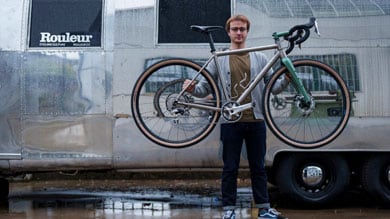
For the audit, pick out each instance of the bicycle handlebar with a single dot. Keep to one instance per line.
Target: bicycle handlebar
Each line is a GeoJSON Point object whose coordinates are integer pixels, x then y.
{"type": "Point", "coordinates": [299, 34]}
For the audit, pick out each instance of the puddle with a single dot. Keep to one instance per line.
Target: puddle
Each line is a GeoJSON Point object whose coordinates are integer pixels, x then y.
{"type": "Point", "coordinates": [111, 204]}
{"type": "Point", "coordinates": [144, 198]}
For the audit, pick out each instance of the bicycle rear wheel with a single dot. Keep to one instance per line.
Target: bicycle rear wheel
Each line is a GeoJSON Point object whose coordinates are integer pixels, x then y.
{"type": "Point", "coordinates": [308, 125]}
{"type": "Point", "coordinates": [156, 106]}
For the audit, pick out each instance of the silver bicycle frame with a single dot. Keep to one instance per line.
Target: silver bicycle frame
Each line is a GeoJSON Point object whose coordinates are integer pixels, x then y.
{"type": "Point", "coordinates": [236, 109]}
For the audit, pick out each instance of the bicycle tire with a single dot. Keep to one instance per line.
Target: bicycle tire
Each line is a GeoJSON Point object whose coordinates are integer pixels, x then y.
{"type": "Point", "coordinates": [303, 126]}
{"type": "Point", "coordinates": [160, 118]}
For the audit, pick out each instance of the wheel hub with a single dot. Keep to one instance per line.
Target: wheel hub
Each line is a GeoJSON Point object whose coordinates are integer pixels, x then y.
{"type": "Point", "coordinates": [305, 108]}
{"type": "Point", "coordinates": [312, 175]}
{"type": "Point", "coordinates": [173, 107]}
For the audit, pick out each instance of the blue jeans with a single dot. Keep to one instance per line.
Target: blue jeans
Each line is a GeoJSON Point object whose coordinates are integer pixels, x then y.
{"type": "Point", "coordinates": [233, 136]}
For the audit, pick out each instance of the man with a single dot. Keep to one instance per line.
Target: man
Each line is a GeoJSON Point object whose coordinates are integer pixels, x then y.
{"type": "Point", "coordinates": [251, 129]}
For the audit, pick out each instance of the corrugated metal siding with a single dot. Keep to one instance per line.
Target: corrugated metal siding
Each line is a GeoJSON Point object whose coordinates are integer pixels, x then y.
{"type": "Point", "coordinates": [374, 68]}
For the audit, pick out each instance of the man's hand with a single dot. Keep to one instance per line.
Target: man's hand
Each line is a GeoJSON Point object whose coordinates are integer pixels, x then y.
{"type": "Point", "coordinates": [187, 86]}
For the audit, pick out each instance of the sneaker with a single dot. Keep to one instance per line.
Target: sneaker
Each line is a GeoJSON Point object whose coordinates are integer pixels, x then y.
{"type": "Point", "coordinates": [229, 214]}
{"type": "Point", "coordinates": [270, 213]}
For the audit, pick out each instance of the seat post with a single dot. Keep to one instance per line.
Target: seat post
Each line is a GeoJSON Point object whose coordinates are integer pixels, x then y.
{"type": "Point", "coordinates": [211, 42]}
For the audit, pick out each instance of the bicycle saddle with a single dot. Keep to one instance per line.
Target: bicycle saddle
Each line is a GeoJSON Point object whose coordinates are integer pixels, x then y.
{"type": "Point", "coordinates": [205, 29]}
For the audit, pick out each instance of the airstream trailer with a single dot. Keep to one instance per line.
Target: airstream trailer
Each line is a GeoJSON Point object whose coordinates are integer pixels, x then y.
{"type": "Point", "coordinates": [67, 77]}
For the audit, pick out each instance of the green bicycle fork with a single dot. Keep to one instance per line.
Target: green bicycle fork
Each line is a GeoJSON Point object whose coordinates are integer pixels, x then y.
{"type": "Point", "coordinates": [297, 83]}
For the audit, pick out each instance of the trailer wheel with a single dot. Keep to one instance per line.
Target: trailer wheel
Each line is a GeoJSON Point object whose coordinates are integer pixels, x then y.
{"type": "Point", "coordinates": [312, 178]}
{"type": "Point", "coordinates": [376, 177]}
{"type": "Point", "coordinates": [4, 188]}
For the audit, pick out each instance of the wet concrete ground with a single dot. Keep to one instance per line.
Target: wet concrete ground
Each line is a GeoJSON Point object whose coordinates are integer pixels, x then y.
{"type": "Point", "coordinates": [159, 195]}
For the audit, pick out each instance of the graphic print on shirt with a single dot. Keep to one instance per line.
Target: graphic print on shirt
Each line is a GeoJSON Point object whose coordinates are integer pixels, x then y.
{"type": "Point", "coordinates": [243, 84]}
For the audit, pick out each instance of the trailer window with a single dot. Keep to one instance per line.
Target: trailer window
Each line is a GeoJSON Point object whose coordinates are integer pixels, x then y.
{"type": "Point", "coordinates": [176, 17]}
{"type": "Point", "coordinates": [345, 64]}
{"type": "Point", "coordinates": [65, 23]}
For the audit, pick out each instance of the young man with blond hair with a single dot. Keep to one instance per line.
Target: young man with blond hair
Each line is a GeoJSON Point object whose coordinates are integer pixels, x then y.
{"type": "Point", "coordinates": [250, 129]}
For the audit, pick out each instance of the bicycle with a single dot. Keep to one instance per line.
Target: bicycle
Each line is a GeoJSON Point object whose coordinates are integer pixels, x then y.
{"type": "Point", "coordinates": [310, 112]}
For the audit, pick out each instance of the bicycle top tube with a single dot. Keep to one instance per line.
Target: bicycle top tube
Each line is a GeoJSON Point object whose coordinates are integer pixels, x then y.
{"type": "Point", "coordinates": [248, 49]}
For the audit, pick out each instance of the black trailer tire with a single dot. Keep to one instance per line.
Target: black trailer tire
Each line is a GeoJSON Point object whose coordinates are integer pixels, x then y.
{"type": "Point", "coordinates": [4, 188]}
{"type": "Point", "coordinates": [376, 177]}
{"type": "Point", "coordinates": [312, 178]}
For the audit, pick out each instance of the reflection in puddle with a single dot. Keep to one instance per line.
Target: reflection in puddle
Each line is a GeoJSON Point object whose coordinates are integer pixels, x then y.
{"type": "Point", "coordinates": [141, 204]}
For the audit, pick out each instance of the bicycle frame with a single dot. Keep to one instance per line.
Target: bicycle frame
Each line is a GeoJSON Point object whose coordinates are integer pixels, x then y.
{"type": "Point", "coordinates": [280, 54]}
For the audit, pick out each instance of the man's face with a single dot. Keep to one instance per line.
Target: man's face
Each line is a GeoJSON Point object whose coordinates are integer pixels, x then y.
{"type": "Point", "coordinates": [238, 32]}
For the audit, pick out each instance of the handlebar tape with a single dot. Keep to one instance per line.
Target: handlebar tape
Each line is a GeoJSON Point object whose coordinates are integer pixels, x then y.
{"type": "Point", "coordinates": [299, 34]}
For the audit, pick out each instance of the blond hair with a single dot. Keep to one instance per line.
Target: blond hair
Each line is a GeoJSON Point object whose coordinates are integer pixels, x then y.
{"type": "Point", "coordinates": [238, 17]}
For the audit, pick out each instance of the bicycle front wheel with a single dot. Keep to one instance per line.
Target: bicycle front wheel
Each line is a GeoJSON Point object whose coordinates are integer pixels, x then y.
{"type": "Point", "coordinates": [304, 125]}
{"type": "Point", "coordinates": [161, 113]}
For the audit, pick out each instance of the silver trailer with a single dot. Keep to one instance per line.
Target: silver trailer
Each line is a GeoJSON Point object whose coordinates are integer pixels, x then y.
{"type": "Point", "coordinates": [67, 77]}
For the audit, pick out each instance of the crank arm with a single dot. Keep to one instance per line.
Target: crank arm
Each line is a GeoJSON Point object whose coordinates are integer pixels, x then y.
{"type": "Point", "coordinates": [234, 110]}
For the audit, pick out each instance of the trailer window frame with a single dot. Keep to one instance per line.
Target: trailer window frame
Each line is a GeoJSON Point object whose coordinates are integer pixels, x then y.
{"type": "Point", "coordinates": [81, 40]}
{"type": "Point", "coordinates": [183, 31]}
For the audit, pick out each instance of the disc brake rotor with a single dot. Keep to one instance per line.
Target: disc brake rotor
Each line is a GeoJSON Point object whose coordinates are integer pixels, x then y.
{"type": "Point", "coordinates": [304, 108]}
{"type": "Point", "coordinates": [174, 107]}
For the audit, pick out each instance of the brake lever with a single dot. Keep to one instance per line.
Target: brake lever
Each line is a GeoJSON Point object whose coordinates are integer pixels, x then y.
{"type": "Point", "coordinates": [316, 29]}
{"type": "Point", "coordinates": [303, 34]}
